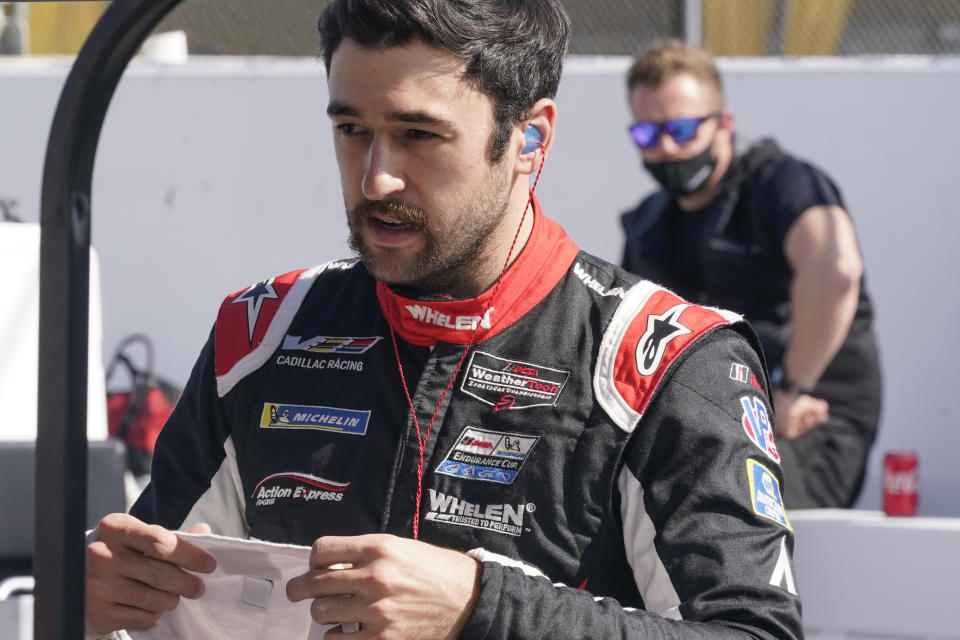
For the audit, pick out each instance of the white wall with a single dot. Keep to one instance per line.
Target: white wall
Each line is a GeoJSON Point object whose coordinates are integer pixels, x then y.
{"type": "Point", "coordinates": [216, 174]}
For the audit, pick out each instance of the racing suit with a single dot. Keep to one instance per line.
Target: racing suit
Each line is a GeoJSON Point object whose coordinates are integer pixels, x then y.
{"type": "Point", "coordinates": [605, 448]}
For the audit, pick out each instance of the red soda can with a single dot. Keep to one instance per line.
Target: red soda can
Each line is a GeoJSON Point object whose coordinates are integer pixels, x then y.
{"type": "Point", "coordinates": [901, 481]}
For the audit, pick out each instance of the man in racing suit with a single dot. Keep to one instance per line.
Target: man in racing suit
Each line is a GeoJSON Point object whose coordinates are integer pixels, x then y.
{"type": "Point", "coordinates": [566, 444]}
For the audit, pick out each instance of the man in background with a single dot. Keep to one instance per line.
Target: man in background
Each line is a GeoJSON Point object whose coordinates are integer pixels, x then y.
{"type": "Point", "coordinates": [758, 231]}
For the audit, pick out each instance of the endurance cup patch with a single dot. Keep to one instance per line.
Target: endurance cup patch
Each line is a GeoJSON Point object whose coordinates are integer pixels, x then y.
{"type": "Point", "coordinates": [487, 455]}
{"type": "Point", "coordinates": [298, 416]}
{"type": "Point", "coordinates": [765, 494]}
{"type": "Point", "coordinates": [511, 384]}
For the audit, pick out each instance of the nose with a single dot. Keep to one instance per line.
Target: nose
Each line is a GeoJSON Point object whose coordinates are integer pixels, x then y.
{"type": "Point", "coordinates": [383, 176]}
{"type": "Point", "coordinates": [667, 145]}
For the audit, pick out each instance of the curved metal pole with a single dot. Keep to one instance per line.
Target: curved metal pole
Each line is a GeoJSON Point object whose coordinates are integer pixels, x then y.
{"type": "Point", "coordinates": [61, 469]}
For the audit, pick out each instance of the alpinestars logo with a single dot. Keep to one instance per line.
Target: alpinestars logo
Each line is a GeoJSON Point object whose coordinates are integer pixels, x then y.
{"type": "Point", "coordinates": [501, 518]}
{"type": "Point", "coordinates": [661, 329]}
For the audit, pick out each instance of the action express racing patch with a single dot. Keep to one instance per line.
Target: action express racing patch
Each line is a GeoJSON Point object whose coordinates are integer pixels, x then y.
{"type": "Point", "coordinates": [290, 485]}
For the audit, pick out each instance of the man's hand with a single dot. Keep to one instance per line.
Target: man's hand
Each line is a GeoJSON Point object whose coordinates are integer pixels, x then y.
{"type": "Point", "coordinates": [135, 572]}
{"type": "Point", "coordinates": [797, 414]}
{"type": "Point", "coordinates": [394, 587]}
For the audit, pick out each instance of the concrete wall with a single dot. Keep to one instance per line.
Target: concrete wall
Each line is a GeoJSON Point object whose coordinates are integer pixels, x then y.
{"type": "Point", "coordinates": [214, 175]}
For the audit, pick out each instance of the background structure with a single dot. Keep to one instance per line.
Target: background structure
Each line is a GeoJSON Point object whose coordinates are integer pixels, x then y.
{"type": "Point", "coordinates": [219, 172]}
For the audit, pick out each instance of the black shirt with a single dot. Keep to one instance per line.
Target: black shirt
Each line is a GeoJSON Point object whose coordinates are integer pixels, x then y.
{"type": "Point", "coordinates": [731, 254]}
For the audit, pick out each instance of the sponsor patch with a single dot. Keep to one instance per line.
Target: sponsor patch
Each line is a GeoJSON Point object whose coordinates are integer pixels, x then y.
{"type": "Point", "coordinates": [782, 575]}
{"type": "Point", "coordinates": [489, 456]}
{"type": "Point", "coordinates": [305, 362]}
{"type": "Point", "coordinates": [429, 315]}
{"type": "Point", "coordinates": [756, 385]}
{"type": "Point", "coordinates": [330, 344]}
{"type": "Point", "coordinates": [739, 372]}
{"type": "Point", "coordinates": [291, 485]}
{"type": "Point", "coordinates": [511, 384]}
{"type": "Point", "coordinates": [592, 283]}
{"type": "Point", "coordinates": [500, 518]}
{"type": "Point", "coordinates": [756, 424]}
{"type": "Point", "coordinates": [765, 494]}
{"type": "Point", "coordinates": [661, 329]}
{"type": "Point", "coordinates": [298, 416]}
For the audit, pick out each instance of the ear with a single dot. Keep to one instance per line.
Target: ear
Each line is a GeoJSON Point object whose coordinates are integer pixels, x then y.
{"type": "Point", "coordinates": [543, 116]}
{"type": "Point", "coordinates": [726, 120]}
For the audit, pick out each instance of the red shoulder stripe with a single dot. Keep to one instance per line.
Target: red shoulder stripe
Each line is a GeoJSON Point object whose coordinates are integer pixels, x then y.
{"type": "Point", "coordinates": [655, 337]}
{"type": "Point", "coordinates": [245, 316]}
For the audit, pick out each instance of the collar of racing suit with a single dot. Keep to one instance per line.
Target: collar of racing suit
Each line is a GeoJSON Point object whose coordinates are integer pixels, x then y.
{"type": "Point", "coordinates": [544, 260]}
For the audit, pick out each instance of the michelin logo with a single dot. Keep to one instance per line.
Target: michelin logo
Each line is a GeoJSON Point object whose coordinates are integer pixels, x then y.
{"type": "Point", "coordinates": [501, 518]}
{"type": "Point", "coordinates": [297, 416]}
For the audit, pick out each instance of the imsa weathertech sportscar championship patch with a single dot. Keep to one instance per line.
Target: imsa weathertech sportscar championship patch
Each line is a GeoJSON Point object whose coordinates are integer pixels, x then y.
{"type": "Point", "coordinates": [298, 416]}
{"type": "Point", "coordinates": [765, 494]}
{"type": "Point", "coordinates": [511, 384]}
{"type": "Point", "coordinates": [487, 455]}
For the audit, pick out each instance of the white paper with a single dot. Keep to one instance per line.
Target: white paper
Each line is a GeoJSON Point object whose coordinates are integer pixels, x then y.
{"type": "Point", "coordinates": [245, 596]}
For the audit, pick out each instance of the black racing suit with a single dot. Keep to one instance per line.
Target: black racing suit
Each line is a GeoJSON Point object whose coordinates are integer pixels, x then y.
{"type": "Point", "coordinates": [595, 432]}
{"type": "Point", "coordinates": [731, 254]}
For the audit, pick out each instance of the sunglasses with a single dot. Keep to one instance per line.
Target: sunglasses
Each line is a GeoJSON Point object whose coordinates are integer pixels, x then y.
{"type": "Point", "coordinates": [647, 134]}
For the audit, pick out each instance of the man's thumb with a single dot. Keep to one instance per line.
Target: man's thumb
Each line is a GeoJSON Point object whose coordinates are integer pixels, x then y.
{"type": "Point", "coordinates": [200, 527]}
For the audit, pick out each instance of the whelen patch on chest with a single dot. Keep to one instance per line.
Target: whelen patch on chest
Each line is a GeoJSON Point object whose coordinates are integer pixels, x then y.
{"type": "Point", "coordinates": [511, 384]}
{"type": "Point", "coordinates": [489, 456]}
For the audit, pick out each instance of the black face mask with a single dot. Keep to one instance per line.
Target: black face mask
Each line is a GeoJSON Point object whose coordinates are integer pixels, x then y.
{"type": "Point", "coordinates": [683, 177]}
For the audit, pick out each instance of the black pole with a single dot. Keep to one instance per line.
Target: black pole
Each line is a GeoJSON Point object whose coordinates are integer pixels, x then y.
{"type": "Point", "coordinates": [61, 469]}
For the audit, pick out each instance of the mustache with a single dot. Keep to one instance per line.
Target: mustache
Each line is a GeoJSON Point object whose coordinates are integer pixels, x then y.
{"type": "Point", "coordinates": [401, 211]}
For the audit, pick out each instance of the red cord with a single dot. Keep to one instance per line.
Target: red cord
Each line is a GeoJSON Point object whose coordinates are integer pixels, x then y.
{"type": "Point", "coordinates": [422, 439]}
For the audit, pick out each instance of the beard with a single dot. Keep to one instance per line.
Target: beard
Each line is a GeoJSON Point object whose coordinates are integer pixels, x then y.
{"type": "Point", "coordinates": [457, 241]}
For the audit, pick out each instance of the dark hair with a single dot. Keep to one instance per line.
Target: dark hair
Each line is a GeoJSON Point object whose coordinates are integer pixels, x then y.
{"type": "Point", "coordinates": [513, 49]}
{"type": "Point", "coordinates": [665, 59]}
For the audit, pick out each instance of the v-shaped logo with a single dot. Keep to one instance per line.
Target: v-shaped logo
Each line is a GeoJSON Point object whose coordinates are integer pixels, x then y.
{"type": "Point", "coordinates": [782, 573]}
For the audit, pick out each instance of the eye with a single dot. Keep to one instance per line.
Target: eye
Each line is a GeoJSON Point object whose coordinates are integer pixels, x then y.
{"type": "Point", "coordinates": [350, 129]}
{"type": "Point", "coordinates": [420, 134]}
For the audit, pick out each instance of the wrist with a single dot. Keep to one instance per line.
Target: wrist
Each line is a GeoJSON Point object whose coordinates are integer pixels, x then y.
{"type": "Point", "coordinates": [782, 382]}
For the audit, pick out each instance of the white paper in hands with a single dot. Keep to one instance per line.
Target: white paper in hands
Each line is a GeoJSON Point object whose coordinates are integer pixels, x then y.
{"type": "Point", "coordinates": [245, 596]}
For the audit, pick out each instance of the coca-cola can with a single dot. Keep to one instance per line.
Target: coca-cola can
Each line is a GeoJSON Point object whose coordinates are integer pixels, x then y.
{"type": "Point", "coordinates": [901, 480]}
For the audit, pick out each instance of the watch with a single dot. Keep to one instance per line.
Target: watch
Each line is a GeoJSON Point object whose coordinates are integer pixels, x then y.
{"type": "Point", "coordinates": [780, 381]}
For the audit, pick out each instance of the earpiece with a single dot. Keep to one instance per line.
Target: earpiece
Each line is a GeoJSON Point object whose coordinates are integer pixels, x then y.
{"type": "Point", "coordinates": [534, 139]}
